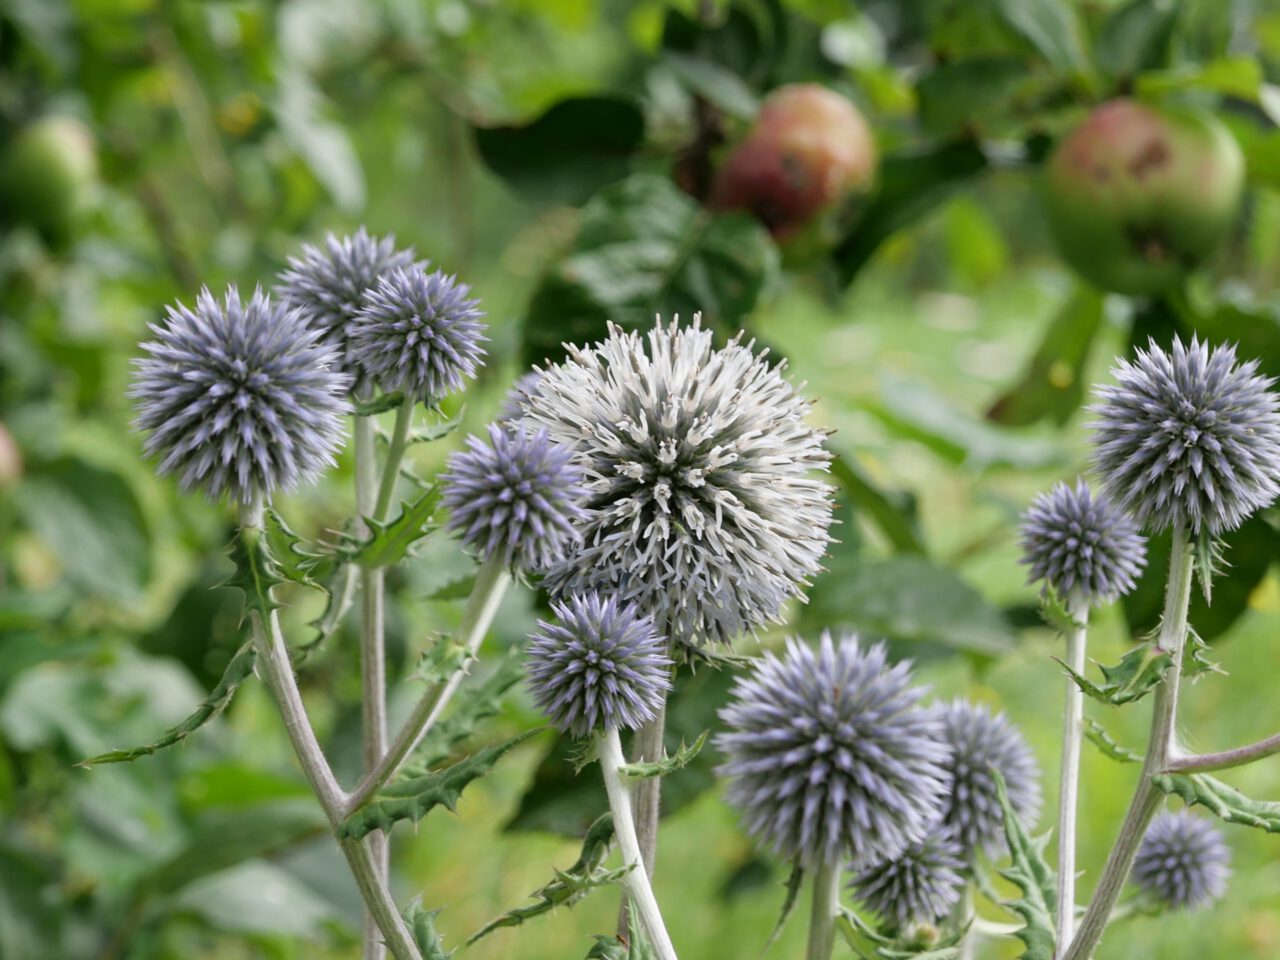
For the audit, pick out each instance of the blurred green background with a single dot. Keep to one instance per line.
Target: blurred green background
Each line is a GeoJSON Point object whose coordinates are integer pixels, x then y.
{"type": "Point", "coordinates": [211, 139]}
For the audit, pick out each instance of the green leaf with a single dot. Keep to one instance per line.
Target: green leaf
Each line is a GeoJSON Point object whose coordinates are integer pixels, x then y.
{"type": "Point", "coordinates": [1240, 77]}
{"type": "Point", "coordinates": [1195, 658]}
{"type": "Point", "coordinates": [257, 899]}
{"type": "Point", "coordinates": [894, 512]}
{"type": "Point", "coordinates": [1136, 37]}
{"type": "Point", "coordinates": [1055, 613]}
{"type": "Point", "coordinates": [1136, 675]}
{"type": "Point", "coordinates": [238, 670]}
{"type": "Point", "coordinates": [422, 927]}
{"type": "Point", "coordinates": [323, 144]}
{"type": "Point", "coordinates": [454, 590]}
{"type": "Point", "coordinates": [577, 146]}
{"type": "Point", "coordinates": [391, 542]}
{"type": "Point", "coordinates": [794, 880]}
{"type": "Point", "coordinates": [1209, 561]}
{"type": "Point", "coordinates": [1097, 734]}
{"type": "Point", "coordinates": [1029, 872]}
{"type": "Point", "coordinates": [379, 404]}
{"type": "Point", "coordinates": [295, 560]}
{"type": "Point", "coordinates": [661, 768]}
{"type": "Point", "coordinates": [569, 886]}
{"type": "Point", "coordinates": [955, 96]}
{"type": "Point", "coordinates": [257, 571]}
{"type": "Point", "coordinates": [1225, 802]}
{"type": "Point", "coordinates": [645, 248]}
{"type": "Point", "coordinates": [437, 431]}
{"type": "Point", "coordinates": [477, 703]}
{"type": "Point", "coordinates": [1053, 384]}
{"type": "Point", "coordinates": [1050, 27]}
{"type": "Point", "coordinates": [445, 658]}
{"type": "Point", "coordinates": [413, 798]}
{"type": "Point", "coordinates": [716, 84]}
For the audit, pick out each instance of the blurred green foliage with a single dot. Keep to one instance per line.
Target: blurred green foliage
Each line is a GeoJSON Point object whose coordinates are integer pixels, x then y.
{"type": "Point", "coordinates": [534, 147]}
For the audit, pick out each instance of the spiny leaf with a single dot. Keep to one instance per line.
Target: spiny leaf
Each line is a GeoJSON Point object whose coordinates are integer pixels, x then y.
{"type": "Point", "coordinates": [926, 943]}
{"type": "Point", "coordinates": [379, 404]}
{"type": "Point", "coordinates": [1031, 875]}
{"type": "Point", "coordinates": [237, 671]}
{"type": "Point", "coordinates": [1210, 558]}
{"type": "Point", "coordinates": [415, 797]}
{"type": "Point", "coordinates": [1136, 675]}
{"type": "Point", "coordinates": [1055, 613]}
{"type": "Point", "coordinates": [339, 592]}
{"type": "Point", "coordinates": [422, 927]}
{"type": "Point", "coordinates": [569, 886]}
{"type": "Point", "coordinates": [1195, 657]}
{"type": "Point", "coordinates": [390, 542]}
{"type": "Point", "coordinates": [1224, 801]}
{"type": "Point", "coordinates": [256, 571]}
{"type": "Point", "coordinates": [455, 590]}
{"type": "Point", "coordinates": [660, 768]}
{"type": "Point", "coordinates": [437, 431]}
{"type": "Point", "coordinates": [445, 658]}
{"type": "Point", "coordinates": [296, 560]}
{"type": "Point", "coordinates": [479, 702]}
{"type": "Point", "coordinates": [635, 947]}
{"type": "Point", "coordinates": [1099, 737]}
{"type": "Point", "coordinates": [794, 880]}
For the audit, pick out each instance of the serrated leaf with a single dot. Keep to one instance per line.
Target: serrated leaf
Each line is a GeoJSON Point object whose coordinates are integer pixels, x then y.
{"type": "Point", "coordinates": [635, 947]}
{"type": "Point", "coordinates": [413, 798]}
{"type": "Point", "coordinates": [339, 593]}
{"type": "Point", "coordinates": [1195, 657]}
{"type": "Point", "coordinates": [1209, 560]}
{"type": "Point", "coordinates": [295, 560]}
{"type": "Point", "coordinates": [390, 542]}
{"type": "Point", "coordinates": [1098, 736]}
{"type": "Point", "coordinates": [445, 658]}
{"type": "Point", "coordinates": [379, 404]}
{"type": "Point", "coordinates": [794, 880]}
{"type": "Point", "coordinates": [256, 570]}
{"type": "Point", "coordinates": [237, 671]}
{"type": "Point", "coordinates": [477, 703]}
{"type": "Point", "coordinates": [457, 590]}
{"type": "Point", "coordinates": [569, 886]}
{"type": "Point", "coordinates": [422, 927]}
{"type": "Point", "coordinates": [1033, 877]}
{"type": "Point", "coordinates": [1136, 675]}
{"type": "Point", "coordinates": [1225, 802]}
{"type": "Point", "coordinates": [1054, 612]}
{"type": "Point", "coordinates": [660, 768]}
{"type": "Point", "coordinates": [437, 431]}
{"type": "Point", "coordinates": [869, 944]}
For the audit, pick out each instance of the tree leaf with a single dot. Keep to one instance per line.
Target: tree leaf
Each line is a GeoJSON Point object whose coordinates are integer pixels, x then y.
{"type": "Point", "coordinates": [322, 144]}
{"type": "Point", "coordinates": [677, 761]}
{"type": "Point", "coordinates": [422, 927]}
{"type": "Point", "coordinates": [1098, 736]}
{"type": "Point", "coordinates": [413, 798]}
{"type": "Point", "coordinates": [1136, 37]}
{"type": "Point", "coordinates": [1224, 801]}
{"type": "Point", "coordinates": [955, 96]}
{"type": "Point", "coordinates": [716, 84]}
{"type": "Point", "coordinates": [893, 512]}
{"type": "Point", "coordinates": [1050, 27]}
{"type": "Point", "coordinates": [1029, 872]}
{"type": "Point", "coordinates": [238, 670]}
{"type": "Point", "coordinates": [1136, 675]}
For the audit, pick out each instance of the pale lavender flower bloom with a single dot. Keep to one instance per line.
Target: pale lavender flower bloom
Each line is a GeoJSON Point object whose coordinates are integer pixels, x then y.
{"type": "Point", "coordinates": [1188, 438]}
{"type": "Point", "coordinates": [601, 666]}
{"type": "Point", "coordinates": [516, 497]}
{"type": "Point", "coordinates": [920, 885]}
{"type": "Point", "coordinates": [829, 756]}
{"type": "Point", "coordinates": [1183, 861]}
{"type": "Point", "coordinates": [239, 398]}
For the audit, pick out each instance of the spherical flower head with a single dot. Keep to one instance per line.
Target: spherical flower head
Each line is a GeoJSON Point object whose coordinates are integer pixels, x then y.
{"type": "Point", "coordinates": [699, 470]}
{"type": "Point", "coordinates": [516, 497]}
{"type": "Point", "coordinates": [602, 665]}
{"type": "Point", "coordinates": [1188, 438]}
{"type": "Point", "coordinates": [328, 283]}
{"type": "Point", "coordinates": [239, 398]}
{"type": "Point", "coordinates": [921, 884]}
{"type": "Point", "coordinates": [829, 756]}
{"type": "Point", "coordinates": [1183, 861]}
{"type": "Point", "coordinates": [418, 333]}
{"type": "Point", "coordinates": [978, 742]}
{"type": "Point", "coordinates": [1079, 544]}
{"type": "Point", "coordinates": [514, 402]}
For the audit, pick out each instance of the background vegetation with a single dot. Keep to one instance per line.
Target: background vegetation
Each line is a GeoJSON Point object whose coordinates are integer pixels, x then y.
{"type": "Point", "coordinates": [944, 338]}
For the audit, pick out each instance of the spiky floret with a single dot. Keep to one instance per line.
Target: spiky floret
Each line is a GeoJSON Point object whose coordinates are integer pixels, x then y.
{"type": "Point", "coordinates": [516, 497]}
{"type": "Point", "coordinates": [600, 665]}
{"type": "Point", "coordinates": [829, 757]}
{"type": "Point", "coordinates": [240, 398]}
{"type": "Point", "coordinates": [328, 283]}
{"type": "Point", "coordinates": [513, 403]}
{"type": "Point", "coordinates": [1183, 861]}
{"type": "Point", "coordinates": [1188, 437]}
{"type": "Point", "coordinates": [1077, 543]}
{"type": "Point", "coordinates": [922, 883]}
{"type": "Point", "coordinates": [699, 469]}
{"type": "Point", "coordinates": [978, 741]}
{"type": "Point", "coordinates": [419, 333]}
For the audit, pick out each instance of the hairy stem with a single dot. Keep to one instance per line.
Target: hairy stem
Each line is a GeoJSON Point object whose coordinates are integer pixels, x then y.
{"type": "Point", "coordinates": [646, 797]}
{"type": "Point", "coordinates": [822, 917]}
{"type": "Point", "coordinates": [1069, 777]}
{"type": "Point", "coordinates": [1160, 746]}
{"type": "Point", "coordinates": [1225, 759]}
{"type": "Point", "coordinates": [395, 455]}
{"type": "Point", "coordinates": [491, 583]}
{"type": "Point", "coordinates": [636, 881]}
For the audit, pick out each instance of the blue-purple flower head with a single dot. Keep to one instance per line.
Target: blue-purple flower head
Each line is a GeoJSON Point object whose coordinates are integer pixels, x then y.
{"type": "Point", "coordinates": [920, 885]}
{"type": "Point", "coordinates": [516, 497]}
{"type": "Point", "coordinates": [1077, 543]}
{"type": "Point", "coordinates": [704, 505]}
{"type": "Point", "coordinates": [328, 283]}
{"type": "Point", "coordinates": [601, 665]}
{"type": "Point", "coordinates": [978, 742]}
{"type": "Point", "coordinates": [1188, 438]}
{"type": "Point", "coordinates": [1183, 861]}
{"type": "Point", "coordinates": [418, 333]}
{"type": "Point", "coordinates": [829, 756]}
{"type": "Point", "coordinates": [239, 398]}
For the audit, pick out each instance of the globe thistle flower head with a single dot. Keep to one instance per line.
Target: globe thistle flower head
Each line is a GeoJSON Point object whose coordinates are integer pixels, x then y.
{"type": "Point", "coordinates": [515, 497]}
{"type": "Point", "coordinates": [240, 398]}
{"type": "Point", "coordinates": [601, 665]}
{"type": "Point", "coordinates": [419, 333]}
{"type": "Point", "coordinates": [513, 403]}
{"type": "Point", "coordinates": [921, 884]}
{"type": "Point", "coordinates": [699, 473]}
{"type": "Point", "coordinates": [977, 742]}
{"type": "Point", "coordinates": [1188, 437]}
{"type": "Point", "coordinates": [1077, 543]}
{"type": "Point", "coordinates": [828, 756]}
{"type": "Point", "coordinates": [1183, 861]}
{"type": "Point", "coordinates": [328, 283]}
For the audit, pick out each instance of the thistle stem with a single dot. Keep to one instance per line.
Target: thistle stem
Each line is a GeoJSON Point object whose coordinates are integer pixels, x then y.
{"type": "Point", "coordinates": [491, 583]}
{"type": "Point", "coordinates": [1225, 759]}
{"type": "Point", "coordinates": [822, 918]}
{"type": "Point", "coordinates": [648, 746]}
{"type": "Point", "coordinates": [1069, 777]}
{"type": "Point", "coordinates": [1160, 746]}
{"type": "Point", "coordinates": [636, 881]}
{"type": "Point", "coordinates": [395, 455]}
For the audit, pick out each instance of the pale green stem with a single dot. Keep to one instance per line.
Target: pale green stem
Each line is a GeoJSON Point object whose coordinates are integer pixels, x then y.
{"type": "Point", "coordinates": [395, 454]}
{"type": "Point", "coordinates": [491, 583]}
{"type": "Point", "coordinates": [1161, 745]}
{"type": "Point", "coordinates": [822, 916]}
{"type": "Point", "coordinates": [1069, 776]}
{"type": "Point", "coordinates": [636, 881]}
